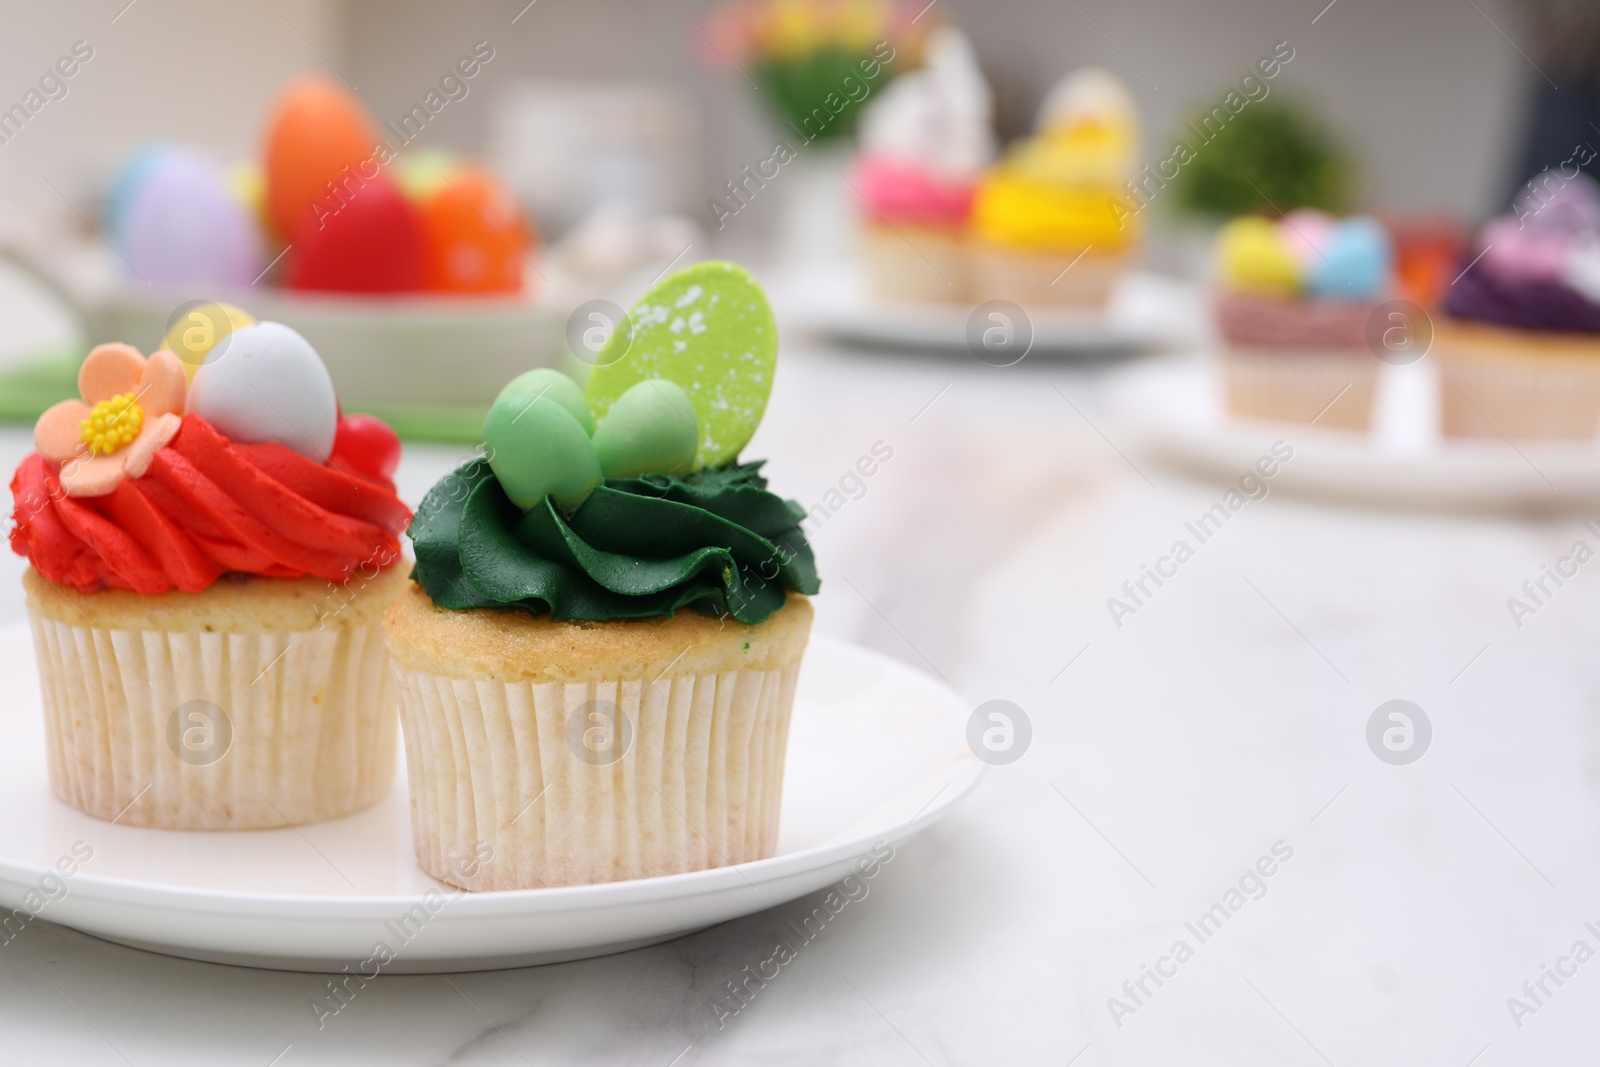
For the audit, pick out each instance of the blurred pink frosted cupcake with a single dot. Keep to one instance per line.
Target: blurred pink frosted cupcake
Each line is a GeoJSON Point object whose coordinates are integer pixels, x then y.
{"type": "Point", "coordinates": [924, 142]}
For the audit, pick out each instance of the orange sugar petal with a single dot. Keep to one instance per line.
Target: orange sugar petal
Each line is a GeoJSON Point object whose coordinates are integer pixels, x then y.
{"type": "Point", "coordinates": [110, 370]}
{"type": "Point", "coordinates": [156, 433]}
{"type": "Point", "coordinates": [164, 386]}
{"type": "Point", "coordinates": [92, 475]}
{"type": "Point", "coordinates": [58, 434]}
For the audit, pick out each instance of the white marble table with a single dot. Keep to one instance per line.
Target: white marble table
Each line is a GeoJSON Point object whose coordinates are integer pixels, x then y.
{"type": "Point", "coordinates": [1170, 756]}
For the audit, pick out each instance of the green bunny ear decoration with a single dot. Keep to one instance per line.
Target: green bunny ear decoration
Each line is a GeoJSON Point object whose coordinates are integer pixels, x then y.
{"type": "Point", "coordinates": [709, 329]}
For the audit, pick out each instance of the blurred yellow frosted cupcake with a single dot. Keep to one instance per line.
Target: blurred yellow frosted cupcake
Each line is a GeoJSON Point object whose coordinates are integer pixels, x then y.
{"type": "Point", "coordinates": [1043, 230]}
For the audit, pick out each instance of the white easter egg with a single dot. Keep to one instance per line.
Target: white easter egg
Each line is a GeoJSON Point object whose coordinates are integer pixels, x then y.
{"type": "Point", "coordinates": [268, 384]}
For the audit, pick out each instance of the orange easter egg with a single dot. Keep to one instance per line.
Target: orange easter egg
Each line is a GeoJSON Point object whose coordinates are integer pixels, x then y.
{"type": "Point", "coordinates": [316, 129]}
{"type": "Point", "coordinates": [474, 234]}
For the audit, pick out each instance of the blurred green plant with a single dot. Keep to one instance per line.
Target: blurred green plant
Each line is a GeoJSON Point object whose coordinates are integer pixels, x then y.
{"type": "Point", "coordinates": [1271, 155]}
{"type": "Point", "coordinates": [797, 89]}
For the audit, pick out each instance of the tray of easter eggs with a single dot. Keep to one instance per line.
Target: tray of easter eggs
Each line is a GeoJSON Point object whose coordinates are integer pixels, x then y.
{"type": "Point", "coordinates": [393, 266]}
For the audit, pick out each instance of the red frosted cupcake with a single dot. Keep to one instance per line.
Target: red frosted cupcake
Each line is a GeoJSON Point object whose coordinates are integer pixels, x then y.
{"type": "Point", "coordinates": [209, 568]}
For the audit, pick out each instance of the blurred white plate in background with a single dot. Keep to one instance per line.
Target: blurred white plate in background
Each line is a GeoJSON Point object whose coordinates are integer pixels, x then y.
{"type": "Point", "coordinates": [1146, 311]}
{"type": "Point", "coordinates": [1173, 410]}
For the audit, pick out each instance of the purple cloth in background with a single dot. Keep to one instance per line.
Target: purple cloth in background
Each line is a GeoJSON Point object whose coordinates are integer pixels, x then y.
{"type": "Point", "coordinates": [1483, 296]}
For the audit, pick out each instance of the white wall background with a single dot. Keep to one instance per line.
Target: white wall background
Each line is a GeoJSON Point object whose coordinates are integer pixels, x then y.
{"type": "Point", "coordinates": [1428, 92]}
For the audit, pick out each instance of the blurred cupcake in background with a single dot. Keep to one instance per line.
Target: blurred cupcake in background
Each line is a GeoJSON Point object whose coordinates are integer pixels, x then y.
{"type": "Point", "coordinates": [1043, 229]}
{"type": "Point", "coordinates": [1519, 348]}
{"type": "Point", "coordinates": [924, 142]}
{"type": "Point", "coordinates": [1292, 306]}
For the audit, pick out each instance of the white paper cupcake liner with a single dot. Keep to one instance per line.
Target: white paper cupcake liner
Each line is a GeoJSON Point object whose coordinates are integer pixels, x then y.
{"type": "Point", "coordinates": [1519, 395]}
{"type": "Point", "coordinates": [915, 263]}
{"type": "Point", "coordinates": [1334, 387]}
{"type": "Point", "coordinates": [216, 731]}
{"type": "Point", "coordinates": [1037, 279]}
{"type": "Point", "coordinates": [694, 778]}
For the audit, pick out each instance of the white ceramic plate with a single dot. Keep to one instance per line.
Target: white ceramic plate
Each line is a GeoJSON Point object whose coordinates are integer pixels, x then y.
{"type": "Point", "coordinates": [1145, 312]}
{"type": "Point", "coordinates": [877, 752]}
{"type": "Point", "coordinates": [1173, 410]}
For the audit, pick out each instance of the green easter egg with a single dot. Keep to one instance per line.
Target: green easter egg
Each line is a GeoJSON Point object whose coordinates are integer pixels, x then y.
{"type": "Point", "coordinates": [710, 329]}
{"type": "Point", "coordinates": [537, 449]}
{"type": "Point", "coordinates": [556, 386]}
{"type": "Point", "coordinates": [651, 429]}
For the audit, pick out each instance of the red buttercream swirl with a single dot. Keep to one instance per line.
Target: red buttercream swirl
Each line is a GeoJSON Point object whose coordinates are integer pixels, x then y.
{"type": "Point", "coordinates": [205, 507]}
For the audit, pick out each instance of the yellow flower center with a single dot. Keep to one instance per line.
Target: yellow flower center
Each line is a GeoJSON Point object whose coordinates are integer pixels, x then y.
{"type": "Point", "coordinates": [112, 424]}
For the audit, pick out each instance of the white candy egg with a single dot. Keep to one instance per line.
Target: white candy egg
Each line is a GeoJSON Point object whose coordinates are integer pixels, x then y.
{"type": "Point", "coordinates": [268, 384]}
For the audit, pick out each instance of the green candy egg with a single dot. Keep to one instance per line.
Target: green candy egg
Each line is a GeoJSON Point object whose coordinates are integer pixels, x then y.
{"type": "Point", "coordinates": [556, 386]}
{"type": "Point", "coordinates": [651, 429]}
{"type": "Point", "coordinates": [710, 329]}
{"type": "Point", "coordinates": [538, 449]}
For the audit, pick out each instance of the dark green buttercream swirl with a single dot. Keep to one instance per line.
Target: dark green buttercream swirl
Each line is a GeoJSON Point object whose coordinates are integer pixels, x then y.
{"type": "Point", "coordinates": [715, 541]}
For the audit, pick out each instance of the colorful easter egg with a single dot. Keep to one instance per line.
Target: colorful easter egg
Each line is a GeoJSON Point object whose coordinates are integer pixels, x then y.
{"type": "Point", "coordinates": [474, 233]}
{"type": "Point", "coordinates": [1354, 263]}
{"type": "Point", "coordinates": [317, 128]}
{"type": "Point", "coordinates": [1305, 230]}
{"type": "Point", "coordinates": [371, 244]}
{"type": "Point", "coordinates": [651, 429]}
{"type": "Point", "coordinates": [182, 226]}
{"type": "Point", "coordinates": [556, 386]}
{"type": "Point", "coordinates": [537, 450]}
{"type": "Point", "coordinates": [200, 329]}
{"type": "Point", "coordinates": [1252, 257]}
{"type": "Point", "coordinates": [422, 172]}
{"type": "Point", "coordinates": [248, 184]}
{"type": "Point", "coordinates": [128, 180]}
{"type": "Point", "coordinates": [710, 329]}
{"type": "Point", "coordinates": [269, 386]}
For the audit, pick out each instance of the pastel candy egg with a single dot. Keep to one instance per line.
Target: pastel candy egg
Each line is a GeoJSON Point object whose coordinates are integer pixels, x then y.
{"type": "Point", "coordinates": [269, 386]}
{"type": "Point", "coordinates": [371, 244]}
{"type": "Point", "coordinates": [556, 386]}
{"type": "Point", "coordinates": [199, 331]}
{"type": "Point", "coordinates": [1355, 262]}
{"type": "Point", "coordinates": [537, 450]}
{"type": "Point", "coordinates": [651, 429]}
{"type": "Point", "coordinates": [1252, 257]}
{"type": "Point", "coordinates": [1305, 230]}
{"type": "Point", "coordinates": [182, 226]}
{"type": "Point", "coordinates": [710, 329]}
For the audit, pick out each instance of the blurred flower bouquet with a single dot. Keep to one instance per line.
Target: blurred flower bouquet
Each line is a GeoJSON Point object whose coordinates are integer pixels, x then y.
{"type": "Point", "coordinates": [815, 60]}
